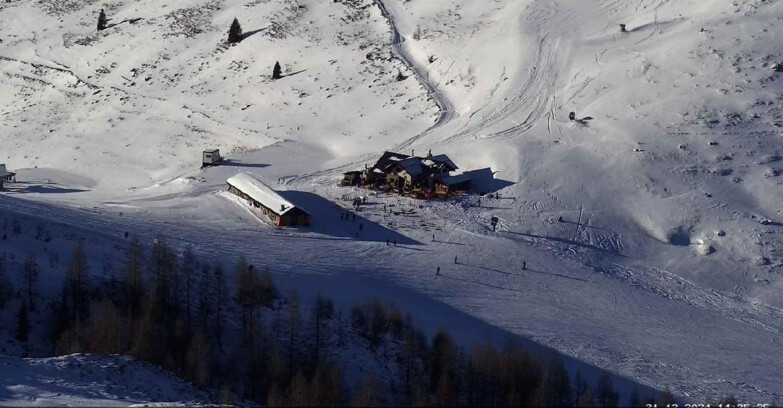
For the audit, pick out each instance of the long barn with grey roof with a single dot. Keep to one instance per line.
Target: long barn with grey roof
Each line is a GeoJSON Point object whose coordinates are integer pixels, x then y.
{"type": "Point", "coordinates": [263, 198]}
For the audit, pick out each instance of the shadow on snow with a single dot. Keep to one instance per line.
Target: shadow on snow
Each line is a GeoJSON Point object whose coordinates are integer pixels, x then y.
{"type": "Point", "coordinates": [325, 219]}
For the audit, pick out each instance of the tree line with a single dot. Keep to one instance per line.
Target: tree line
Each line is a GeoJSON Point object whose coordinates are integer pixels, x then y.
{"type": "Point", "coordinates": [233, 330]}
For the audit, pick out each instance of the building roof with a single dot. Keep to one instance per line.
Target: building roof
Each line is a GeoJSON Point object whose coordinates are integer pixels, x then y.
{"type": "Point", "coordinates": [412, 165]}
{"type": "Point", "coordinates": [211, 150]}
{"type": "Point", "coordinates": [260, 192]}
{"type": "Point", "coordinates": [442, 158]}
{"type": "Point", "coordinates": [458, 179]}
{"type": "Point", "coordinates": [389, 158]}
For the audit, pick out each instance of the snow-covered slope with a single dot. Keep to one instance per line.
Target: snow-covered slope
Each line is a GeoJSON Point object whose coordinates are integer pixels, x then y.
{"type": "Point", "coordinates": [660, 270]}
{"type": "Point", "coordinates": [89, 380]}
{"type": "Point", "coordinates": [137, 102]}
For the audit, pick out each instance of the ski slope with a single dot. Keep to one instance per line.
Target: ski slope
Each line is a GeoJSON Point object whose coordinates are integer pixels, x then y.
{"type": "Point", "coordinates": [660, 270]}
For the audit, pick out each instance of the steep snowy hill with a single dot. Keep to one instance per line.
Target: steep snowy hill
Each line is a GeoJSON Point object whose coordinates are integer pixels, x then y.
{"type": "Point", "coordinates": [661, 268]}
{"type": "Point", "coordinates": [87, 380]}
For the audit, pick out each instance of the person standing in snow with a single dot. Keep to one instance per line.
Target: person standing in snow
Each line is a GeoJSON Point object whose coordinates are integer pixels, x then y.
{"type": "Point", "coordinates": [524, 265]}
{"type": "Point", "coordinates": [433, 237]}
{"type": "Point", "coordinates": [455, 260]}
{"type": "Point", "coordinates": [387, 241]}
{"type": "Point", "coordinates": [437, 272]}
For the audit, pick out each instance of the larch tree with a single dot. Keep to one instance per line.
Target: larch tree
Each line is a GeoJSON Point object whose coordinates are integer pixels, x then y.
{"type": "Point", "coordinates": [322, 312]}
{"type": "Point", "coordinates": [77, 283]}
{"type": "Point", "coordinates": [188, 275]}
{"type": "Point", "coordinates": [6, 288]}
{"type": "Point", "coordinates": [368, 393]}
{"type": "Point", "coordinates": [235, 32]}
{"type": "Point", "coordinates": [292, 324]}
{"type": "Point", "coordinates": [221, 297]}
{"type": "Point", "coordinates": [30, 277]}
{"type": "Point", "coordinates": [634, 400]}
{"type": "Point", "coordinates": [22, 324]}
{"type": "Point", "coordinates": [580, 388]}
{"type": "Point", "coordinates": [102, 21]}
{"type": "Point", "coordinates": [443, 361]}
{"type": "Point", "coordinates": [557, 391]}
{"type": "Point", "coordinates": [133, 280]}
{"type": "Point", "coordinates": [667, 398]}
{"type": "Point", "coordinates": [269, 291]}
{"type": "Point", "coordinates": [277, 71]}
{"type": "Point", "coordinates": [605, 395]}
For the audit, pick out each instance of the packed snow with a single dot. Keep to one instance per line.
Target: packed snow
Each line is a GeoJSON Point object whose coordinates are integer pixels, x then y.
{"type": "Point", "coordinates": [640, 221]}
{"type": "Point", "coordinates": [89, 380]}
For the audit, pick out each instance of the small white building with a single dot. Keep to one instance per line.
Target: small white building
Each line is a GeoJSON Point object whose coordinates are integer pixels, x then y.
{"type": "Point", "coordinates": [260, 196]}
{"type": "Point", "coordinates": [210, 157]}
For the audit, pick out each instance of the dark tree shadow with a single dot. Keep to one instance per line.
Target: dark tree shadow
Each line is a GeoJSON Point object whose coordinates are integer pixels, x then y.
{"type": "Point", "coordinates": [47, 188]}
{"type": "Point", "coordinates": [127, 20]}
{"type": "Point", "coordinates": [292, 74]}
{"type": "Point", "coordinates": [489, 285]}
{"type": "Point", "coordinates": [523, 272]}
{"type": "Point", "coordinates": [451, 243]}
{"type": "Point", "coordinates": [659, 24]}
{"type": "Point", "coordinates": [325, 219]}
{"type": "Point", "coordinates": [251, 33]}
{"type": "Point", "coordinates": [564, 241]}
{"type": "Point", "coordinates": [582, 225]}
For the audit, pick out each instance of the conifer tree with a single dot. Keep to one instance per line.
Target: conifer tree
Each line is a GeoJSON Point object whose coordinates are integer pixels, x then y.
{"type": "Point", "coordinates": [322, 311]}
{"type": "Point", "coordinates": [30, 276]}
{"type": "Point", "coordinates": [133, 280]}
{"type": "Point", "coordinates": [558, 386]}
{"type": "Point", "coordinates": [235, 32]}
{"type": "Point", "coordinates": [667, 398]}
{"type": "Point", "coordinates": [221, 296]}
{"type": "Point", "coordinates": [276, 71]}
{"type": "Point", "coordinates": [77, 283]}
{"type": "Point", "coordinates": [22, 324]}
{"type": "Point", "coordinates": [104, 332]}
{"type": "Point", "coordinates": [188, 274]}
{"type": "Point", "coordinates": [580, 388]}
{"type": "Point", "coordinates": [292, 323]}
{"type": "Point", "coordinates": [605, 395]}
{"type": "Point", "coordinates": [586, 399]}
{"type": "Point", "coordinates": [368, 393]}
{"type": "Point", "coordinates": [102, 21]}
{"type": "Point", "coordinates": [243, 276]}
{"type": "Point", "coordinates": [6, 289]}
{"type": "Point", "coordinates": [269, 291]}
{"type": "Point", "coordinates": [443, 365]}
{"type": "Point", "coordinates": [635, 400]}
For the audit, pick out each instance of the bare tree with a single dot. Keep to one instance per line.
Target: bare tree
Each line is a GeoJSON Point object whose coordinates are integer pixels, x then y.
{"type": "Point", "coordinates": [30, 277]}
